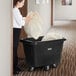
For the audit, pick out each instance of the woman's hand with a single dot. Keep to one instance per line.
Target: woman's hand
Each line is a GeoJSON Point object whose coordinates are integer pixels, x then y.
{"type": "Point", "coordinates": [28, 18]}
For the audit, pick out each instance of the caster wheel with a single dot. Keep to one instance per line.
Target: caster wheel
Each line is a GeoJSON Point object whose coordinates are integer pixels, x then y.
{"type": "Point", "coordinates": [31, 69]}
{"type": "Point", "coordinates": [46, 68]}
{"type": "Point", "coordinates": [54, 65]}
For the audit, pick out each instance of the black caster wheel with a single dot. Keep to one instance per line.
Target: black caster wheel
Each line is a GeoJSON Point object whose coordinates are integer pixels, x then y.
{"type": "Point", "coordinates": [31, 68]}
{"type": "Point", "coordinates": [46, 68]}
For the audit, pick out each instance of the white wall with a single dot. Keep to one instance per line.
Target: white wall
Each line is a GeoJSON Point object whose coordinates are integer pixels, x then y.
{"type": "Point", "coordinates": [44, 10]}
{"type": "Point", "coordinates": [65, 12]}
{"type": "Point", "coordinates": [5, 37]}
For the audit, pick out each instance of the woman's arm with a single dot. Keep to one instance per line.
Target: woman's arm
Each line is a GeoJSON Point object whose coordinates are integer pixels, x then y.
{"type": "Point", "coordinates": [18, 17]}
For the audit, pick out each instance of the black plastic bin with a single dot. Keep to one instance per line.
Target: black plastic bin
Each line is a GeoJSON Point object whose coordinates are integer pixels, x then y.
{"type": "Point", "coordinates": [42, 53]}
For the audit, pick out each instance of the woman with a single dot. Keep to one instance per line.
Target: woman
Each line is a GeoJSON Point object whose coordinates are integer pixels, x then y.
{"type": "Point", "coordinates": [18, 22]}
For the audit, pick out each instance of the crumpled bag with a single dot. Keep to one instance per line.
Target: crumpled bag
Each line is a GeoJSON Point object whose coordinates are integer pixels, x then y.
{"type": "Point", "coordinates": [51, 36]}
{"type": "Point", "coordinates": [34, 27]}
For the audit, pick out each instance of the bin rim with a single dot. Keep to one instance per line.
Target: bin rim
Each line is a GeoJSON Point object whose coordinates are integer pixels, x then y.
{"type": "Point", "coordinates": [27, 39]}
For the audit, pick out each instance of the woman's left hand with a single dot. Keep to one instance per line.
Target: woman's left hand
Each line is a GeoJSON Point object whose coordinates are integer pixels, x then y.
{"type": "Point", "coordinates": [28, 18]}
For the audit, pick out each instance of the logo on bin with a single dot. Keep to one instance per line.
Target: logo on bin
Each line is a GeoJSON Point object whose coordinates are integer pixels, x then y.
{"type": "Point", "coordinates": [49, 48]}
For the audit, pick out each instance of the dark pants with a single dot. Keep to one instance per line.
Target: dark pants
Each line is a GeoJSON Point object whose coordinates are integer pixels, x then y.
{"type": "Point", "coordinates": [16, 33]}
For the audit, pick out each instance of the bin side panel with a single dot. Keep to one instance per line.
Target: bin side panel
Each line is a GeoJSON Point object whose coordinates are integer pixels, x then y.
{"type": "Point", "coordinates": [29, 53]}
{"type": "Point", "coordinates": [47, 53]}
